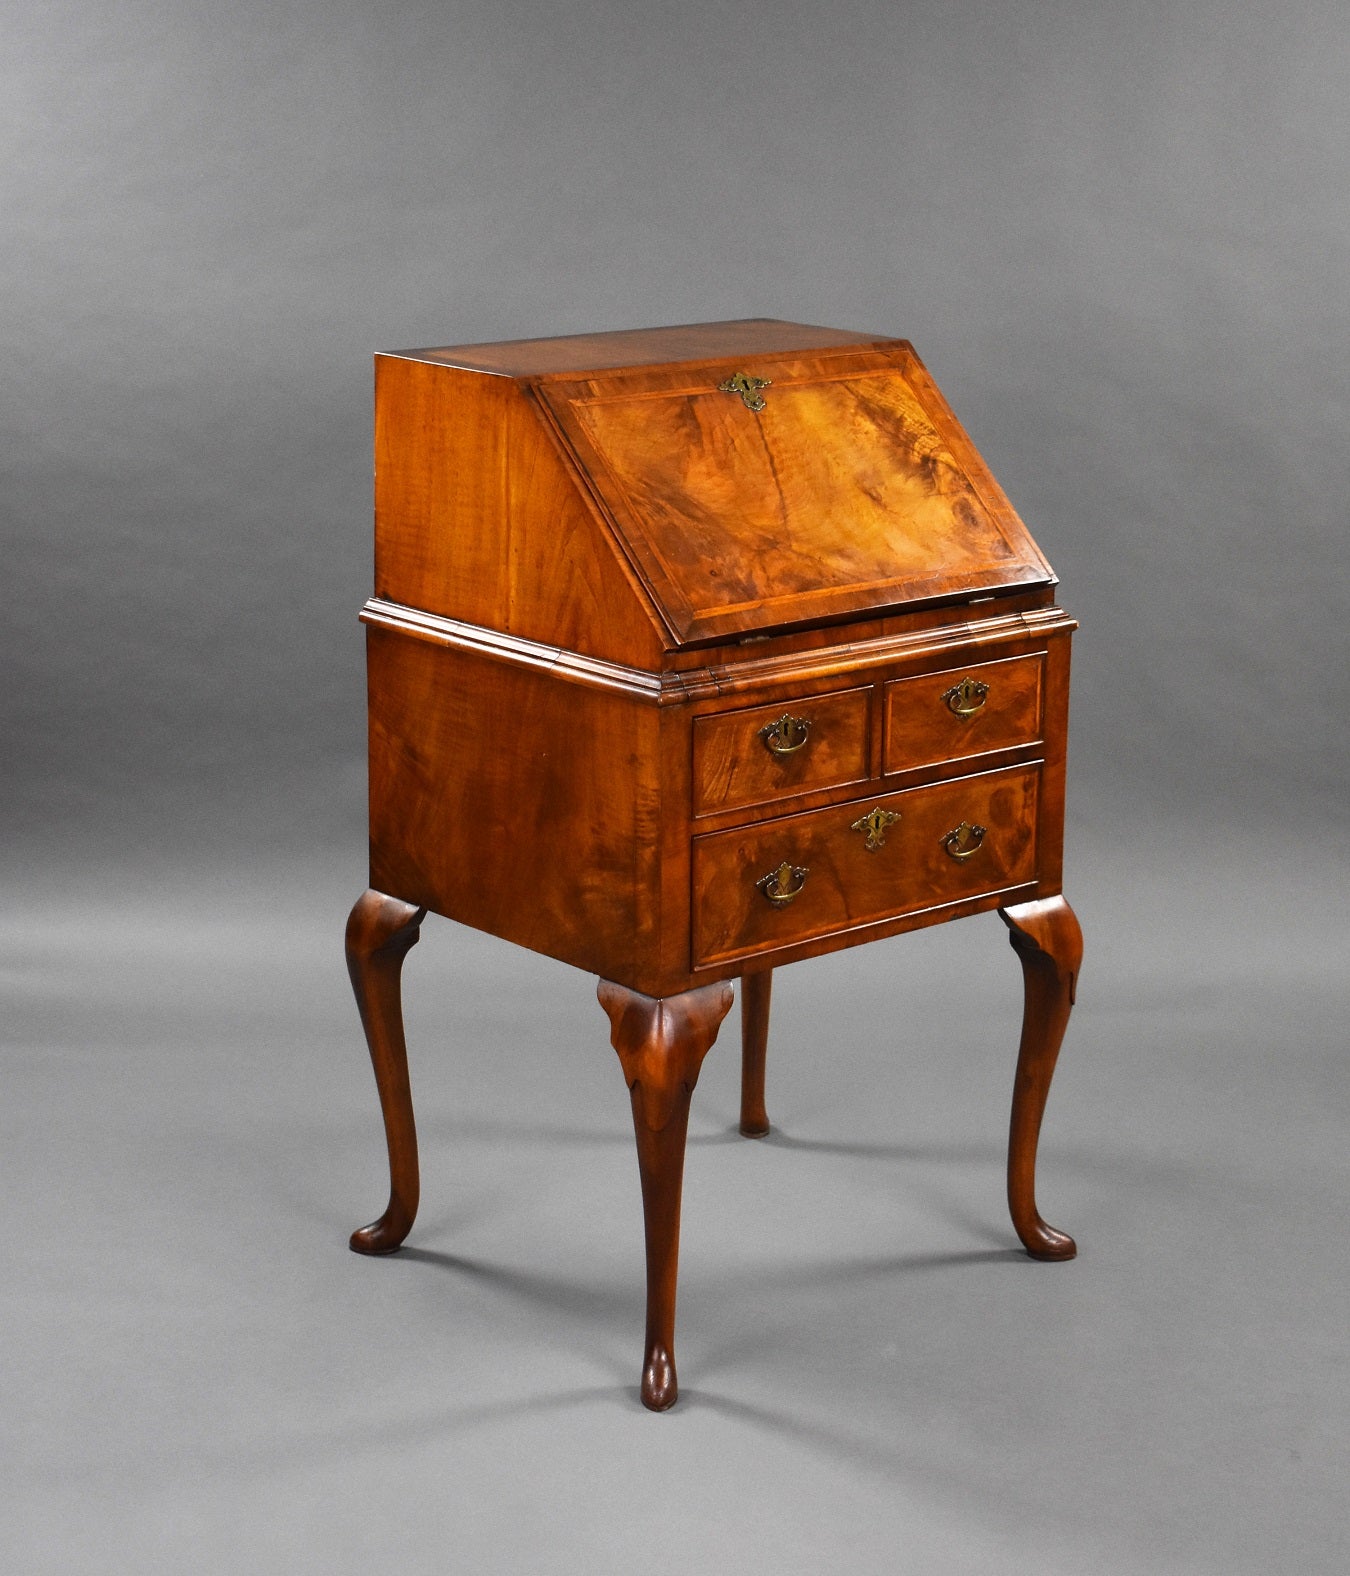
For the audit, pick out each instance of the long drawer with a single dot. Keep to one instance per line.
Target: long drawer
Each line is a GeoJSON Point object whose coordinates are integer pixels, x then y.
{"type": "Point", "coordinates": [771, 885]}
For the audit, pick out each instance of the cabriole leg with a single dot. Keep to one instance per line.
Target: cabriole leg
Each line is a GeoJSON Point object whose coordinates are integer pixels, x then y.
{"type": "Point", "coordinates": [756, 990]}
{"type": "Point", "coordinates": [1046, 937]}
{"type": "Point", "coordinates": [380, 931]}
{"type": "Point", "coordinates": [661, 1045]}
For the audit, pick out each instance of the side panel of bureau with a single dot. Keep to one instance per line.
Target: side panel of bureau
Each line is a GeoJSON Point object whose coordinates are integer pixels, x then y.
{"type": "Point", "coordinates": [478, 517]}
{"type": "Point", "coordinates": [515, 801]}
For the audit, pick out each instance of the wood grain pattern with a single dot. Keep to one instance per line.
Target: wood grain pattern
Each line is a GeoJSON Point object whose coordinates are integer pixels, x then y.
{"type": "Point", "coordinates": [661, 1045]}
{"type": "Point", "coordinates": [921, 726]}
{"type": "Point", "coordinates": [840, 496]}
{"type": "Point", "coordinates": [917, 642]}
{"type": "Point", "coordinates": [1054, 753]}
{"type": "Point", "coordinates": [572, 835]}
{"type": "Point", "coordinates": [639, 347]}
{"type": "Point", "coordinates": [519, 804]}
{"type": "Point", "coordinates": [733, 768]}
{"type": "Point", "coordinates": [479, 517]}
{"type": "Point", "coordinates": [748, 669]}
{"type": "Point", "coordinates": [1046, 937]}
{"type": "Point", "coordinates": [849, 885]}
{"type": "Point", "coordinates": [380, 932]}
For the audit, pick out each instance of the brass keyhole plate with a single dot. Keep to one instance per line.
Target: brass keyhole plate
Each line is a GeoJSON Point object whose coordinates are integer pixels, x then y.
{"type": "Point", "coordinates": [747, 387]}
{"type": "Point", "coordinates": [874, 823]}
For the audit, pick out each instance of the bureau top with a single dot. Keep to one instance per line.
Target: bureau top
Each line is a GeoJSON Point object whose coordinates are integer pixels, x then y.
{"type": "Point", "coordinates": [578, 354]}
{"type": "Point", "coordinates": [632, 494]}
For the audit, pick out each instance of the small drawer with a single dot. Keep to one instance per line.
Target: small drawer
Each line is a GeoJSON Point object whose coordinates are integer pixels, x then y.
{"type": "Point", "coordinates": [962, 712]}
{"type": "Point", "coordinates": [761, 887]}
{"type": "Point", "coordinates": [767, 753]}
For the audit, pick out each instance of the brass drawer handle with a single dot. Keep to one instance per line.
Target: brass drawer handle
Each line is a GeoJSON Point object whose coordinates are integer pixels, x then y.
{"type": "Point", "coordinates": [747, 387]}
{"type": "Point", "coordinates": [786, 736]}
{"type": "Point", "coordinates": [874, 823]}
{"type": "Point", "coordinates": [964, 841]}
{"type": "Point", "coordinates": [782, 885]}
{"type": "Point", "coordinates": [966, 698]}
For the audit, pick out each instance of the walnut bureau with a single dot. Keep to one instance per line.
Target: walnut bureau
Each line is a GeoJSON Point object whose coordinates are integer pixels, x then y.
{"type": "Point", "coordinates": [694, 652]}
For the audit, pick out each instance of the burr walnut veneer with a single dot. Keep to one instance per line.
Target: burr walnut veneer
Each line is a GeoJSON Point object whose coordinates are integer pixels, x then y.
{"type": "Point", "coordinates": [693, 652]}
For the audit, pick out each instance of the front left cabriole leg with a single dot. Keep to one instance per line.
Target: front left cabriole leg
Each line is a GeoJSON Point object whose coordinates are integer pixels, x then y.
{"type": "Point", "coordinates": [661, 1045]}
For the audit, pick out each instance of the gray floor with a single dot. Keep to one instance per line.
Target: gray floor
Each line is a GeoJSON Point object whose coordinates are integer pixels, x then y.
{"type": "Point", "coordinates": [199, 1376]}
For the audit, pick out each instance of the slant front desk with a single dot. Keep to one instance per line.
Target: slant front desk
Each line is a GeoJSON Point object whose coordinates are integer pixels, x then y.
{"type": "Point", "coordinates": [694, 652]}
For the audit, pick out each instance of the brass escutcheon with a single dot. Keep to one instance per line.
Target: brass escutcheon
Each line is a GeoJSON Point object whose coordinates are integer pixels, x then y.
{"type": "Point", "coordinates": [747, 387]}
{"type": "Point", "coordinates": [966, 698]}
{"type": "Point", "coordinates": [786, 736]}
{"type": "Point", "coordinates": [964, 841]}
{"type": "Point", "coordinates": [874, 823]}
{"type": "Point", "coordinates": [782, 885]}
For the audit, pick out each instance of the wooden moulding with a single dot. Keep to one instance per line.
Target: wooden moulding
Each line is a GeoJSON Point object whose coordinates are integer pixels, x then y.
{"type": "Point", "coordinates": [672, 687]}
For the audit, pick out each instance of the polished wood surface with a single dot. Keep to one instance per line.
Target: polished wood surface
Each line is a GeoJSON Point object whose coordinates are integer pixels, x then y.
{"type": "Point", "coordinates": [921, 725]}
{"type": "Point", "coordinates": [841, 495]}
{"type": "Point", "coordinates": [480, 518]}
{"type": "Point", "coordinates": [734, 766]}
{"type": "Point", "coordinates": [1046, 937]}
{"type": "Point", "coordinates": [604, 586]}
{"type": "Point", "coordinates": [548, 837]}
{"type": "Point", "coordinates": [851, 884]}
{"type": "Point", "coordinates": [926, 637]}
{"type": "Point", "coordinates": [661, 1046]}
{"type": "Point", "coordinates": [756, 994]}
{"type": "Point", "coordinates": [572, 354]}
{"type": "Point", "coordinates": [593, 861]}
{"type": "Point", "coordinates": [380, 932]}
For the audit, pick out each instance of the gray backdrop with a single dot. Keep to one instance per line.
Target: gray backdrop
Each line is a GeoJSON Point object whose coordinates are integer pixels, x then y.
{"type": "Point", "coordinates": [1120, 237]}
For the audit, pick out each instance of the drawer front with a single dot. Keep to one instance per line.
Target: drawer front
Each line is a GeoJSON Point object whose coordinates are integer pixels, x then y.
{"type": "Point", "coordinates": [751, 895]}
{"type": "Point", "coordinates": [767, 753]}
{"type": "Point", "coordinates": [963, 711]}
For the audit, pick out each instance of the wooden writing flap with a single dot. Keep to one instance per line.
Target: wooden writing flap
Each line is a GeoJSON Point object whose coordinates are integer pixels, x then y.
{"type": "Point", "coordinates": [852, 489]}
